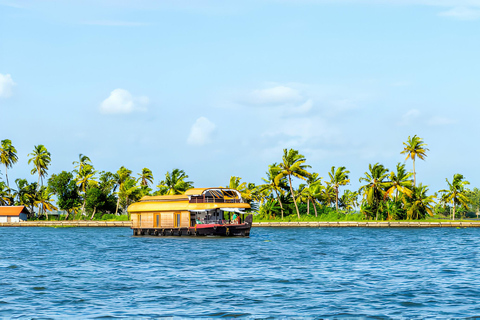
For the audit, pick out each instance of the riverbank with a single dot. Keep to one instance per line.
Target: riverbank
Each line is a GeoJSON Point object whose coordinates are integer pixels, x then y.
{"type": "Point", "coordinates": [317, 224]}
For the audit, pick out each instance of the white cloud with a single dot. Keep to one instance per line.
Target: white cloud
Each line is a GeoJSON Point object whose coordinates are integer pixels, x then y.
{"type": "Point", "coordinates": [440, 121]}
{"type": "Point", "coordinates": [274, 96]}
{"type": "Point", "coordinates": [461, 13]}
{"type": "Point", "coordinates": [201, 132]}
{"type": "Point", "coordinates": [301, 109]}
{"type": "Point", "coordinates": [122, 101]}
{"type": "Point", "coordinates": [408, 117]}
{"type": "Point", "coordinates": [6, 85]}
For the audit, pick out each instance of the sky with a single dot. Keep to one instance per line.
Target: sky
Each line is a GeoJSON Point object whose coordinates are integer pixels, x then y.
{"type": "Point", "coordinates": [220, 88]}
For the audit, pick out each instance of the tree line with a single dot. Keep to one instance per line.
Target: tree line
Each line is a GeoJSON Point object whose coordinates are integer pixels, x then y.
{"type": "Point", "coordinates": [85, 193]}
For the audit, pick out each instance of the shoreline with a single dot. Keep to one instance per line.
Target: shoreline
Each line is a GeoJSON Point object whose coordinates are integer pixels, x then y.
{"type": "Point", "coordinates": [317, 224]}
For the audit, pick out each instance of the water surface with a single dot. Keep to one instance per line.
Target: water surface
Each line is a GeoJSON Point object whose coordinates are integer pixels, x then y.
{"type": "Point", "coordinates": [277, 272]}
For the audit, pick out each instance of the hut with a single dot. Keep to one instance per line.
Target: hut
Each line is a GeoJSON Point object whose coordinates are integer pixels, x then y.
{"type": "Point", "coordinates": [13, 213]}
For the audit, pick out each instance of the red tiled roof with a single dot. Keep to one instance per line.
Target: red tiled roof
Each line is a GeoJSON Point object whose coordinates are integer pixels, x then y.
{"type": "Point", "coordinates": [12, 210]}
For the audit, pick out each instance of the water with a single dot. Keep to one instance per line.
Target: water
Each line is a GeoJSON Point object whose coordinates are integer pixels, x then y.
{"type": "Point", "coordinates": [277, 272]}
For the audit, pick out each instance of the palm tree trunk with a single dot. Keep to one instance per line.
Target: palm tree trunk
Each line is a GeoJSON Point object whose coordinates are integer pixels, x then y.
{"type": "Point", "coordinates": [118, 203]}
{"type": "Point", "coordinates": [453, 210]}
{"type": "Point", "coordinates": [93, 214]}
{"type": "Point", "coordinates": [293, 196]}
{"type": "Point", "coordinates": [414, 175]}
{"type": "Point", "coordinates": [6, 176]}
{"type": "Point", "coordinates": [279, 201]}
{"type": "Point", "coordinates": [336, 198]}
{"type": "Point", "coordinates": [68, 213]}
{"type": "Point", "coordinates": [314, 207]}
{"type": "Point", "coordinates": [308, 207]}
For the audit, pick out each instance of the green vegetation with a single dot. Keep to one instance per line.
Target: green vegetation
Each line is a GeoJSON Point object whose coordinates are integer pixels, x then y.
{"type": "Point", "coordinates": [85, 193]}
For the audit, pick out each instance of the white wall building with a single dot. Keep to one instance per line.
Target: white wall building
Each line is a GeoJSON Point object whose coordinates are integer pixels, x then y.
{"type": "Point", "coordinates": [13, 213]}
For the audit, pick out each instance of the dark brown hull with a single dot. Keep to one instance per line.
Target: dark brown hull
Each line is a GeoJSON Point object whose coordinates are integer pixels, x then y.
{"type": "Point", "coordinates": [239, 230]}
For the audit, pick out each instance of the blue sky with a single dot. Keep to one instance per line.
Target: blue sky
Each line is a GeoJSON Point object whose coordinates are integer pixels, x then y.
{"type": "Point", "coordinates": [219, 88]}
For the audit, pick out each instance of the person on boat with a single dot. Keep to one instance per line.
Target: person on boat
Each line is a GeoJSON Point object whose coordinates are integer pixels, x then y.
{"type": "Point", "coordinates": [235, 218]}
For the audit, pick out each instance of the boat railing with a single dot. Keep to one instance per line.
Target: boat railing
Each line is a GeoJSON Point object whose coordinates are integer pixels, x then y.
{"type": "Point", "coordinates": [213, 200]}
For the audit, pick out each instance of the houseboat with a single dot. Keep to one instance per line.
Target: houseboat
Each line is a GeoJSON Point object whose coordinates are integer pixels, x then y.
{"type": "Point", "coordinates": [198, 212]}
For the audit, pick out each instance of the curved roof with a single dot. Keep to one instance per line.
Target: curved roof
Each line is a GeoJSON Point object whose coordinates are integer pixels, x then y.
{"type": "Point", "coordinates": [157, 206]}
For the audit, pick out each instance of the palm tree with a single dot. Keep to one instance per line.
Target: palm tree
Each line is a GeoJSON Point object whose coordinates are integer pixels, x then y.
{"type": "Point", "coordinates": [315, 192]}
{"type": "Point", "coordinates": [146, 177]}
{"type": "Point", "coordinates": [6, 198]}
{"type": "Point", "coordinates": [45, 201]}
{"type": "Point", "coordinates": [121, 176]}
{"type": "Point", "coordinates": [271, 186]}
{"type": "Point", "coordinates": [175, 183]}
{"type": "Point", "coordinates": [328, 195]}
{"type": "Point", "coordinates": [293, 164]}
{"type": "Point", "coordinates": [338, 178]}
{"type": "Point", "coordinates": [84, 179]}
{"type": "Point", "coordinates": [400, 182]}
{"type": "Point", "coordinates": [8, 156]}
{"type": "Point", "coordinates": [419, 205]}
{"type": "Point", "coordinates": [456, 192]}
{"type": "Point", "coordinates": [374, 191]}
{"type": "Point", "coordinates": [348, 200]}
{"type": "Point", "coordinates": [302, 195]}
{"type": "Point", "coordinates": [414, 147]}
{"type": "Point", "coordinates": [82, 161]}
{"type": "Point", "coordinates": [41, 160]}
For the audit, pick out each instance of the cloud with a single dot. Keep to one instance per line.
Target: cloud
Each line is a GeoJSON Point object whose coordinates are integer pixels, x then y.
{"type": "Point", "coordinates": [6, 85]}
{"type": "Point", "coordinates": [440, 121]}
{"type": "Point", "coordinates": [461, 13]}
{"type": "Point", "coordinates": [121, 101]}
{"type": "Point", "coordinates": [274, 96]}
{"type": "Point", "coordinates": [201, 132]}
{"type": "Point", "coordinates": [408, 117]}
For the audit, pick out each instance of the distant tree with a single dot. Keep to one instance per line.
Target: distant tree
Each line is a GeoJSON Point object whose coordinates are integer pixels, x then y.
{"type": "Point", "coordinates": [174, 183]}
{"type": "Point", "coordinates": [400, 182]}
{"type": "Point", "coordinates": [5, 195]}
{"type": "Point", "coordinates": [456, 192]}
{"type": "Point", "coordinates": [44, 201]}
{"type": "Point", "coordinates": [338, 178]}
{"type": "Point", "coordinates": [374, 189]}
{"type": "Point", "coordinates": [8, 156]}
{"type": "Point", "coordinates": [413, 148]}
{"type": "Point", "coordinates": [349, 200]}
{"type": "Point", "coordinates": [65, 188]}
{"type": "Point", "coordinates": [41, 160]}
{"type": "Point", "coordinates": [419, 204]}
{"type": "Point", "coordinates": [85, 179]}
{"type": "Point", "coordinates": [146, 177]}
{"type": "Point", "coordinates": [121, 176]}
{"type": "Point", "coordinates": [82, 161]}
{"type": "Point", "coordinates": [293, 164]}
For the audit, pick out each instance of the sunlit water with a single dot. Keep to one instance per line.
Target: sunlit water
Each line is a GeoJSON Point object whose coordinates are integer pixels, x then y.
{"type": "Point", "coordinates": [277, 272]}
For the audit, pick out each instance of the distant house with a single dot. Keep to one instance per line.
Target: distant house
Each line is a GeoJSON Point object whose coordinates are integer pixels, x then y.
{"type": "Point", "coordinates": [13, 213]}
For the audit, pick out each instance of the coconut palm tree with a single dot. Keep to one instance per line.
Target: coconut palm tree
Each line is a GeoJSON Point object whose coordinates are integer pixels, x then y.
{"type": "Point", "coordinates": [41, 160]}
{"type": "Point", "coordinates": [374, 189]}
{"type": "Point", "coordinates": [8, 156]}
{"type": "Point", "coordinates": [456, 192]}
{"type": "Point", "coordinates": [400, 182]}
{"type": "Point", "coordinates": [338, 178]}
{"type": "Point", "coordinates": [419, 204]}
{"type": "Point", "coordinates": [348, 200]}
{"type": "Point", "coordinates": [6, 198]}
{"type": "Point", "coordinates": [315, 193]}
{"type": "Point", "coordinates": [146, 177]}
{"type": "Point", "coordinates": [413, 148]}
{"type": "Point", "coordinates": [328, 195]}
{"type": "Point", "coordinates": [121, 176]}
{"type": "Point", "coordinates": [84, 179]}
{"type": "Point", "coordinates": [82, 161]}
{"type": "Point", "coordinates": [293, 164]}
{"type": "Point", "coordinates": [272, 186]}
{"type": "Point", "coordinates": [302, 194]}
{"type": "Point", "coordinates": [44, 200]}
{"type": "Point", "coordinates": [175, 183]}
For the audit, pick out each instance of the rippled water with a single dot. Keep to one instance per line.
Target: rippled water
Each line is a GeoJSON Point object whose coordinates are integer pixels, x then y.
{"type": "Point", "coordinates": [277, 272]}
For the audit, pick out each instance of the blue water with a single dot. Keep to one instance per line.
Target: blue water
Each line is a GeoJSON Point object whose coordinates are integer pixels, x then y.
{"type": "Point", "coordinates": [277, 272]}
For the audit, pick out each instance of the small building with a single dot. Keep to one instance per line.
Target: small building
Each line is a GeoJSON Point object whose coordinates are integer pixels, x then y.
{"type": "Point", "coordinates": [13, 213]}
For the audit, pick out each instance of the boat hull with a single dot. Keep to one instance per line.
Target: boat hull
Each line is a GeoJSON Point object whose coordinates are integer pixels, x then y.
{"type": "Point", "coordinates": [233, 230]}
